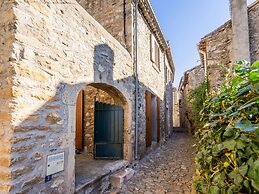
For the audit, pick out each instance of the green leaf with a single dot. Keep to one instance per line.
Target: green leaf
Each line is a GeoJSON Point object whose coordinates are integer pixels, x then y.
{"type": "Point", "coordinates": [254, 76]}
{"type": "Point", "coordinates": [255, 64]}
{"type": "Point", "coordinates": [246, 125]}
{"type": "Point", "coordinates": [229, 132]}
{"type": "Point", "coordinates": [233, 189]}
{"type": "Point", "coordinates": [255, 184]}
{"type": "Point", "coordinates": [219, 179]}
{"type": "Point", "coordinates": [217, 149]}
{"type": "Point", "coordinates": [214, 190]}
{"type": "Point", "coordinates": [243, 170]}
{"type": "Point", "coordinates": [230, 144]}
{"type": "Point", "coordinates": [240, 144]}
{"type": "Point", "coordinates": [253, 172]}
{"type": "Point", "coordinates": [247, 186]}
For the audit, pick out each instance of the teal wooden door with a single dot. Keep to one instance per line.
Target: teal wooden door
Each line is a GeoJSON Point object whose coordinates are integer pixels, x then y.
{"type": "Point", "coordinates": [108, 131]}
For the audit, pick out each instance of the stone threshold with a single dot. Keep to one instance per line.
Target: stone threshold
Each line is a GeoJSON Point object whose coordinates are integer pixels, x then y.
{"type": "Point", "coordinates": [92, 183]}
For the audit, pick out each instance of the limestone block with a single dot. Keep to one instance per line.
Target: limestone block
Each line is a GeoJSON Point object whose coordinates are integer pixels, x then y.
{"type": "Point", "coordinates": [121, 177]}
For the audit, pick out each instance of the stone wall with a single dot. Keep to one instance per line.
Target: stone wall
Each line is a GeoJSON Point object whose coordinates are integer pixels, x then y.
{"type": "Point", "coordinates": [218, 46]}
{"type": "Point", "coordinates": [58, 50]}
{"type": "Point", "coordinates": [117, 19]}
{"type": "Point", "coordinates": [253, 15]}
{"type": "Point", "coordinates": [7, 94]}
{"type": "Point", "coordinates": [152, 79]}
{"type": "Point", "coordinates": [191, 80]}
{"type": "Point", "coordinates": [114, 16]}
{"type": "Point", "coordinates": [176, 111]}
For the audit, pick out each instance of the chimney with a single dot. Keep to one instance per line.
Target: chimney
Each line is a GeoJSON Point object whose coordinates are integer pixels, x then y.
{"type": "Point", "coordinates": [239, 15]}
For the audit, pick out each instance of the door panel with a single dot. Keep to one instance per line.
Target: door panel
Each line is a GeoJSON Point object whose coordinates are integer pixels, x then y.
{"type": "Point", "coordinates": [79, 120]}
{"type": "Point", "coordinates": [108, 131]}
{"type": "Point", "coordinates": [148, 120]}
{"type": "Point", "coordinates": [158, 118]}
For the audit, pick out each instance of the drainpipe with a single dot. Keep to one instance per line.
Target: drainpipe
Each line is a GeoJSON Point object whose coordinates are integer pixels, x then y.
{"type": "Point", "coordinates": [137, 81]}
{"type": "Point", "coordinates": [205, 63]}
{"type": "Point", "coordinates": [165, 99]}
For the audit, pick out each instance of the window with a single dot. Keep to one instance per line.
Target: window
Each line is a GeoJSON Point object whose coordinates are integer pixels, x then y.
{"type": "Point", "coordinates": [154, 51]}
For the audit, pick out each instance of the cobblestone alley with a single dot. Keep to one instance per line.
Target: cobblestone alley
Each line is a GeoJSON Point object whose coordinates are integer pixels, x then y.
{"type": "Point", "coordinates": [169, 169]}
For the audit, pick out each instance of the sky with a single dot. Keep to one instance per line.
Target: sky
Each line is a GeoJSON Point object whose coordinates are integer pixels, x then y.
{"type": "Point", "coordinates": [184, 23]}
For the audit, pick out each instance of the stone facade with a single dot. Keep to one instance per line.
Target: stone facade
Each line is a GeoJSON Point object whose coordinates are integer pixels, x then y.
{"type": "Point", "coordinates": [191, 80]}
{"type": "Point", "coordinates": [253, 15]}
{"type": "Point", "coordinates": [49, 52]}
{"type": "Point", "coordinates": [118, 19]}
{"type": "Point", "coordinates": [176, 108]}
{"type": "Point", "coordinates": [115, 16]}
{"type": "Point", "coordinates": [217, 47]}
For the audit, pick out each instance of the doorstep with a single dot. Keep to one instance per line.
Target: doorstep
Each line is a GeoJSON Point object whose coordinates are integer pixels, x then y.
{"type": "Point", "coordinates": [96, 177]}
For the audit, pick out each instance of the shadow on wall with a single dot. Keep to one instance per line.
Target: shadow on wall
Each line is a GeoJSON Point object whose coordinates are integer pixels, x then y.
{"type": "Point", "coordinates": [51, 128]}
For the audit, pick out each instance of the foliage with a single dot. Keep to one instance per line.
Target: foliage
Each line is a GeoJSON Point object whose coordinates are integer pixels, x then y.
{"type": "Point", "coordinates": [197, 98]}
{"type": "Point", "coordinates": [227, 160]}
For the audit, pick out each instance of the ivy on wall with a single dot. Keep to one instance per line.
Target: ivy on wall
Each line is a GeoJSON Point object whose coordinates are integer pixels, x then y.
{"type": "Point", "coordinates": [227, 160]}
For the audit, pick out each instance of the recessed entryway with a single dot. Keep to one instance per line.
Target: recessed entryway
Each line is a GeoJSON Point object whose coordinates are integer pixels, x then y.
{"type": "Point", "coordinates": [100, 132]}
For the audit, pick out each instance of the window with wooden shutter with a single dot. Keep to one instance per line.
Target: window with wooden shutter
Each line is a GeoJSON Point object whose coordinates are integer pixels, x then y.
{"type": "Point", "coordinates": [157, 56]}
{"type": "Point", "coordinates": [154, 51]}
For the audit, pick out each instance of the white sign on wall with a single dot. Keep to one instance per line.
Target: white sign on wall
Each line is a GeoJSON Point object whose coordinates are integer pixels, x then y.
{"type": "Point", "coordinates": [55, 163]}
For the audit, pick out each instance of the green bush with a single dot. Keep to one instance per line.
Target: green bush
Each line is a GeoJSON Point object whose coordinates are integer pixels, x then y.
{"type": "Point", "coordinates": [196, 99]}
{"type": "Point", "coordinates": [227, 160]}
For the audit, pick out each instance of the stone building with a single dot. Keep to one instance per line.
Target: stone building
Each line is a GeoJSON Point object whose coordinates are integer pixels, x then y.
{"type": "Point", "coordinates": [74, 89]}
{"type": "Point", "coordinates": [191, 80]}
{"type": "Point", "coordinates": [225, 44]}
{"type": "Point", "coordinates": [222, 46]}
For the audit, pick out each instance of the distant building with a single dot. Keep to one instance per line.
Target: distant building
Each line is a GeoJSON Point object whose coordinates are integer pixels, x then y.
{"type": "Point", "coordinates": [235, 40]}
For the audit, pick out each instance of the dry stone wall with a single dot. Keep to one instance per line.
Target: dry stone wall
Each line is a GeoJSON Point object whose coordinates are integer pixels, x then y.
{"type": "Point", "coordinates": [253, 15]}
{"type": "Point", "coordinates": [58, 49]}
{"type": "Point", "coordinates": [218, 48]}
{"type": "Point", "coordinates": [191, 80]}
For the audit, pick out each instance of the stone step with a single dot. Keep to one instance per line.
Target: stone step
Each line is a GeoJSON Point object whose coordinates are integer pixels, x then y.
{"type": "Point", "coordinates": [118, 179]}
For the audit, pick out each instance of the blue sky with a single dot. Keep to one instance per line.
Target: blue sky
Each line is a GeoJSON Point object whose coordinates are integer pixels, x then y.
{"type": "Point", "coordinates": [185, 22]}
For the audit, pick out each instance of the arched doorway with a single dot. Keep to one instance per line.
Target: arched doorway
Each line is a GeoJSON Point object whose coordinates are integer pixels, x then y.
{"type": "Point", "coordinates": [102, 129]}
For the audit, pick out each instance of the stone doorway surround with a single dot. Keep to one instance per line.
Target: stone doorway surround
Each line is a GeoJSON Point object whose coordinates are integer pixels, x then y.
{"type": "Point", "coordinates": [89, 173]}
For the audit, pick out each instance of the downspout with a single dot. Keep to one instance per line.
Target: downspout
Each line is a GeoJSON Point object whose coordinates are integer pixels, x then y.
{"type": "Point", "coordinates": [205, 63]}
{"type": "Point", "coordinates": [165, 82]}
{"type": "Point", "coordinates": [137, 81]}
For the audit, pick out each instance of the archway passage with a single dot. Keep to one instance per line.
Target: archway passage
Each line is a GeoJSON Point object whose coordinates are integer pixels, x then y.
{"type": "Point", "coordinates": [102, 132]}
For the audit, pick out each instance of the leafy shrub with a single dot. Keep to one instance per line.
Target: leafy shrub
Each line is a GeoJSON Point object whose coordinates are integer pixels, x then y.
{"type": "Point", "coordinates": [197, 98]}
{"type": "Point", "coordinates": [227, 160]}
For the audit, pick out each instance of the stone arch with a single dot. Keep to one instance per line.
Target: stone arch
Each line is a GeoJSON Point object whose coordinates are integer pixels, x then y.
{"type": "Point", "coordinates": [118, 97]}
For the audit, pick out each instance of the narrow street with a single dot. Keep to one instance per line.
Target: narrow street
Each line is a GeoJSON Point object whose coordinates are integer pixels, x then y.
{"type": "Point", "coordinates": [169, 169]}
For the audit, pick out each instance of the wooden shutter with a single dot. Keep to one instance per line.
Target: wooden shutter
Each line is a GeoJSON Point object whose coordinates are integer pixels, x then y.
{"type": "Point", "coordinates": [158, 102]}
{"type": "Point", "coordinates": [157, 55]}
{"type": "Point", "coordinates": [152, 48]}
{"type": "Point", "coordinates": [148, 120]}
{"type": "Point", "coordinates": [79, 120]}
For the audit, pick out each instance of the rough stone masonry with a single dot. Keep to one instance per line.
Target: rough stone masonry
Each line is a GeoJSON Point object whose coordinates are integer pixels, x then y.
{"type": "Point", "coordinates": [50, 51]}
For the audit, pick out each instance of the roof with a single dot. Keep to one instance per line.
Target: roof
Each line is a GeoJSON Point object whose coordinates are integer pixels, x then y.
{"type": "Point", "coordinates": [148, 13]}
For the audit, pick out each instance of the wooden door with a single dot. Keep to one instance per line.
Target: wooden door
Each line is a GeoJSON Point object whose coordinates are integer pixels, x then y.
{"type": "Point", "coordinates": [79, 120]}
{"type": "Point", "coordinates": [108, 131]}
{"type": "Point", "coordinates": [148, 120]}
{"type": "Point", "coordinates": [158, 102]}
